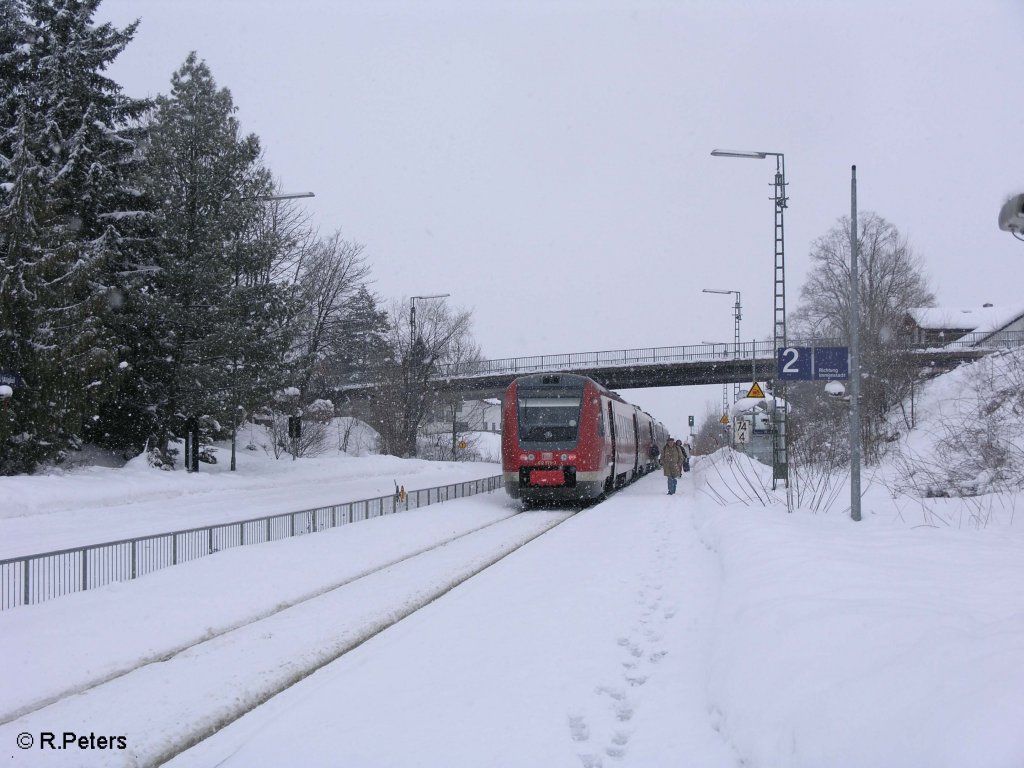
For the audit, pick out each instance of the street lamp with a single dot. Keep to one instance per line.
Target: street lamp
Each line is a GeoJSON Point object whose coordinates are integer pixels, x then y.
{"type": "Point", "coordinates": [780, 461]}
{"type": "Point", "coordinates": [412, 312]}
{"type": "Point", "coordinates": [235, 416]}
{"type": "Point", "coordinates": [736, 313]}
{"type": "Point", "coordinates": [414, 399]}
{"type": "Point", "coordinates": [725, 387]}
{"type": "Point", "coordinates": [272, 198]}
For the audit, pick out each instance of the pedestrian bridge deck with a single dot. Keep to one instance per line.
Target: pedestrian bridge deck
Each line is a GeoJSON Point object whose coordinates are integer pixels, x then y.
{"type": "Point", "coordinates": [672, 366]}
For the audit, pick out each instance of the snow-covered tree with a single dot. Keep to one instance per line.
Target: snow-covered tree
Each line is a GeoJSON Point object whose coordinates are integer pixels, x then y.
{"type": "Point", "coordinates": [333, 275]}
{"type": "Point", "coordinates": [405, 393]}
{"type": "Point", "coordinates": [356, 343]}
{"type": "Point", "coordinates": [67, 152]}
{"type": "Point", "coordinates": [214, 318]}
{"type": "Point", "coordinates": [892, 281]}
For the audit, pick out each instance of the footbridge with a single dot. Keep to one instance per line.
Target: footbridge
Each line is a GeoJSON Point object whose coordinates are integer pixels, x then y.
{"type": "Point", "coordinates": [657, 366]}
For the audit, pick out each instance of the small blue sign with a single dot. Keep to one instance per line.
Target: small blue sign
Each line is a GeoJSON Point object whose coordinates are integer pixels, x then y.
{"type": "Point", "coordinates": [11, 379]}
{"type": "Point", "coordinates": [795, 363]}
{"type": "Point", "coordinates": [831, 363]}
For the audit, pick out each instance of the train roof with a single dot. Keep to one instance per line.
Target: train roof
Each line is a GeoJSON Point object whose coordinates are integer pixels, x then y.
{"type": "Point", "coordinates": [557, 377]}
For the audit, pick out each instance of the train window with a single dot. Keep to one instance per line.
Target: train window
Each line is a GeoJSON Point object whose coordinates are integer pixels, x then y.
{"type": "Point", "coordinates": [549, 419]}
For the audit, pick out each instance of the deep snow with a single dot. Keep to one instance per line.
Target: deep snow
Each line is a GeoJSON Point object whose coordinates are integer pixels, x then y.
{"type": "Point", "coordinates": [646, 631]}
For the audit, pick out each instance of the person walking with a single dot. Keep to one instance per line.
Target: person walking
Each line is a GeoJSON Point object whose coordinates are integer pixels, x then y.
{"type": "Point", "coordinates": [685, 449]}
{"type": "Point", "coordinates": [672, 463]}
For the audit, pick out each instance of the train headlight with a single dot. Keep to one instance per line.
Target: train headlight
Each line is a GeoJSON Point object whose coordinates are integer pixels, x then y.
{"type": "Point", "coordinates": [526, 457]}
{"type": "Point", "coordinates": [564, 457]}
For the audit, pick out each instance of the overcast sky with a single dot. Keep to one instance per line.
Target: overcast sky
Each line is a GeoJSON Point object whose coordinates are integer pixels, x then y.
{"type": "Point", "coordinates": [548, 163]}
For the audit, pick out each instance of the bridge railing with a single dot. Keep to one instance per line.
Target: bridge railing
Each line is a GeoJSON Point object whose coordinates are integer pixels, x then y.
{"type": "Point", "coordinates": [761, 350]}
{"type": "Point", "coordinates": [610, 358]}
{"type": "Point", "coordinates": [690, 353]}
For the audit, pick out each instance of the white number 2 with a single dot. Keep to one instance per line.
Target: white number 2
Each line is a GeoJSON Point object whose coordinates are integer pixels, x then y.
{"type": "Point", "coordinates": [790, 367]}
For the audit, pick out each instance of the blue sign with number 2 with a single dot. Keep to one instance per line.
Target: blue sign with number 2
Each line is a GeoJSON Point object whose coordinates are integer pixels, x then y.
{"type": "Point", "coordinates": [795, 364]}
{"type": "Point", "coordinates": [806, 363]}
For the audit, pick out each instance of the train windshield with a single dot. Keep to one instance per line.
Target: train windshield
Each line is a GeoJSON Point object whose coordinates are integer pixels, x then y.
{"type": "Point", "coordinates": [549, 416]}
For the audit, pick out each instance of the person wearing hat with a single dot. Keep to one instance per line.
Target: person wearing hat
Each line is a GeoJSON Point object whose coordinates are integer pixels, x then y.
{"type": "Point", "coordinates": [672, 463]}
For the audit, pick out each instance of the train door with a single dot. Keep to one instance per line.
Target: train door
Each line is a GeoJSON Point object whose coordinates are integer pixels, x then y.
{"type": "Point", "coordinates": [613, 431]}
{"type": "Point", "coordinates": [636, 446]}
{"type": "Point", "coordinates": [654, 442]}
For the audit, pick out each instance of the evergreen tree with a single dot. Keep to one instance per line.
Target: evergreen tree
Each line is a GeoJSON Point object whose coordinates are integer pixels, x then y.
{"type": "Point", "coordinates": [357, 343]}
{"type": "Point", "coordinates": [66, 155]}
{"type": "Point", "coordinates": [214, 319]}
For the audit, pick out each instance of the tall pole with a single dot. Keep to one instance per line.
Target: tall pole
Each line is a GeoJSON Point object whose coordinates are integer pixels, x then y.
{"type": "Point", "coordinates": [414, 399]}
{"type": "Point", "coordinates": [854, 354]}
{"type": "Point", "coordinates": [239, 411]}
{"type": "Point", "coordinates": [780, 457]}
{"type": "Point", "coordinates": [736, 315]}
{"type": "Point", "coordinates": [736, 343]}
{"type": "Point", "coordinates": [780, 414]}
{"type": "Point", "coordinates": [412, 312]}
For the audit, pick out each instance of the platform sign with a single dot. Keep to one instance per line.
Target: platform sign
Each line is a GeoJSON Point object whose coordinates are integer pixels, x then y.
{"type": "Point", "coordinates": [11, 378]}
{"type": "Point", "coordinates": [795, 364]}
{"type": "Point", "coordinates": [818, 363]}
{"type": "Point", "coordinates": [831, 363]}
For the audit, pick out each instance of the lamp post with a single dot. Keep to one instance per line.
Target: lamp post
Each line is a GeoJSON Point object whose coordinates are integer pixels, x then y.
{"type": "Point", "coordinates": [414, 405]}
{"type": "Point", "coordinates": [412, 312]}
{"type": "Point", "coordinates": [239, 410]}
{"type": "Point", "coordinates": [736, 315]}
{"type": "Point", "coordinates": [725, 387]}
{"type": "Point", "coordinates": [780, 461]}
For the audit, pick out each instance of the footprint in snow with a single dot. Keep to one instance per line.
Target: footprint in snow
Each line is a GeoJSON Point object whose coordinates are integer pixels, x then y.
{"type": "Point", "coordinates": [578, 728]}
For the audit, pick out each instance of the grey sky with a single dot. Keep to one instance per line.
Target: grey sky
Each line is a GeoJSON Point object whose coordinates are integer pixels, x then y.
{"type": "Point", "coordinates": [548, 163]}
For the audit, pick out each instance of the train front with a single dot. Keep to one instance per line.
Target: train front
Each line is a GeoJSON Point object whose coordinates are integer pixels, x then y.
{"type": "Point", "coordinates": [549, 440]}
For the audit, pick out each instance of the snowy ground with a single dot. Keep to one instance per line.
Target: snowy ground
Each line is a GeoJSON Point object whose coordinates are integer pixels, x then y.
{"type": "Point", "coordinates": [91, 505]}
{"type": "Point", "coordinates": [647, 631]}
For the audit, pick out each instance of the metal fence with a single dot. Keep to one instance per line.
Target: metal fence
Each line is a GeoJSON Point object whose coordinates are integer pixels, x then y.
{"type": "Point", "coordinates": [34, 578]}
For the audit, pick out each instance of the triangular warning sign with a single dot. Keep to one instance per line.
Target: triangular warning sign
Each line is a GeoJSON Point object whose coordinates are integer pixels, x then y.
{"type": "Point", "coordinates": [756, 391]}
{"type": "Point", "coordinates": [724, 419]}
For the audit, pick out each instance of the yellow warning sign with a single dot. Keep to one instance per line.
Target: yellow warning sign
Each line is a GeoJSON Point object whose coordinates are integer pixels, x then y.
{"type": "Point", "coordinates": [756, 391]}
{"type": "Point", "coordinates": [724, 419]}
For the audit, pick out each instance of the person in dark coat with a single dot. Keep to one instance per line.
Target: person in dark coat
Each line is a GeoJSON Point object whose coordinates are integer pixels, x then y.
{"type": "Point", "coordinates": [685, 448]}
{"type": "Point", "coordinates": [672, 463]}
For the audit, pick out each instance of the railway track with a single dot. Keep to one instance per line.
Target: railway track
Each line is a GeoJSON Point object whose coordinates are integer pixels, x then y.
{"type": "Point", "coordinates": [154, 703]}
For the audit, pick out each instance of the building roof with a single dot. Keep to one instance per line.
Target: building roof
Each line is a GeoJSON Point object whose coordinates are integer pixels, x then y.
{"type": "Point", "coordinates": [985, 319]}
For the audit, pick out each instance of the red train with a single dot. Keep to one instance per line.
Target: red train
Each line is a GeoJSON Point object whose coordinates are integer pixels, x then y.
{"type": "Point", "coordinates": [565, 437]}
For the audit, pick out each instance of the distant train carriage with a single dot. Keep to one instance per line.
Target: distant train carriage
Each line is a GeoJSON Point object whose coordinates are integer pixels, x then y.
{"type": "Point", "coordinates": [565, 437]}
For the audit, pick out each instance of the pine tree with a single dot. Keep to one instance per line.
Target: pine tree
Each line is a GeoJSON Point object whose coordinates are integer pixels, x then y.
{"type": "Point", "coordinates": [66, 154]}
{"type": "Point", "coordinates": [214, 318]}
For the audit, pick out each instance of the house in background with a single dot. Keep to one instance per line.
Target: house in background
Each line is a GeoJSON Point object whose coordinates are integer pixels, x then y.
{"type": "Point", "coordinates": [481, 415]}
{"type": "Point", "coordinates": [472, 416]}
{"type": "Point", "coordinates": [982, 326]}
